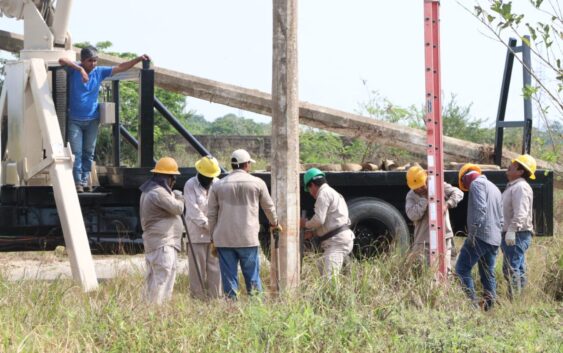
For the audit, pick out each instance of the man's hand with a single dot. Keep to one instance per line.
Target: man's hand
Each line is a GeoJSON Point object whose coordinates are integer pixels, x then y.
{"type": "Point", "coordinates": [178, 194]}
{"type": "Point", "coordinates": [302, 222]}
{"type": "Point", "coordinates": [143, 57]}
{"type": "Point", "coordinates": [308, 234]}
{"type": "Point", "coordinates": [510, 238]}
{"type": "Point", "coordinates": [276, 228]}
{"type": "Point", "coordinates": [445, 208]}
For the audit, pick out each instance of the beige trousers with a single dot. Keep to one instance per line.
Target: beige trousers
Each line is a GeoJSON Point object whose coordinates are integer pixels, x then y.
{"type": "Point", "coordinates": [209, 269]}
{"type": "Point", "coordinates": [421, 252]}
{"type": "Point", "coordinates": [335, 254]}
{"type": "Point", "coordinates": [161, 274]}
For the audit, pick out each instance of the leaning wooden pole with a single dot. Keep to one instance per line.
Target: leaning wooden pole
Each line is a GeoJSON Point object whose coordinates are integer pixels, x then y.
{"type": "Point", "coordinates": [285, 143]}
{"type": "Point", "coordinates": [329, 119]}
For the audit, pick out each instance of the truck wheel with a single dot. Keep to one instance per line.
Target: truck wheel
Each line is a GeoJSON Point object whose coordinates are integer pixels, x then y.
{"type": "Point", "coordinates": [377, 226]}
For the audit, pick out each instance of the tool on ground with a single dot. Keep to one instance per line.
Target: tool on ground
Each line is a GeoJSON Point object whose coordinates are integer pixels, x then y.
{"type": "Point", "coordinates": [193, 254]}
{"type": "Point", "coordinates": [275, 233]}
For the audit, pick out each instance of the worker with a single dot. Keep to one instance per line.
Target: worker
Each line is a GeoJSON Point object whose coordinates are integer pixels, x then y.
{"type": "Point", "coordinates": [85, 79]}
{"type": "Point", "coordinates": [196, 192]}
{"type": "Point", "coordinates": [330, 223]}
{"type": "Point", "coordinates": [517, 201]}
{"type": "Point", "coordinates": [484, 226]}
{"type": "Point", "coordinates": [233, 223]}
{"type": "Point", "coordinates": [160, 210]}
{"type": "Point", "coordinates": [417, 210]}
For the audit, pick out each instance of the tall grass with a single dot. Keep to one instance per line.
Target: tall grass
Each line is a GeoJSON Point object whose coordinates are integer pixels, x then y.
{"type": "Point", "coordinates": [380, 306]}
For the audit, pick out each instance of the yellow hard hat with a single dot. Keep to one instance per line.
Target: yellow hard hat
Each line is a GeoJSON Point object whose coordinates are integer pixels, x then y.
{"type": "Point", "coordinates": [166, 165]}
{"type": "Point", "coordinates": [528, 162]}
{"type": "Point", "coordinates": [208, 166]}
{"type": "Point", "coordinates": [416, 177]}
{"type": "Point", "coordinates": [466, 168]}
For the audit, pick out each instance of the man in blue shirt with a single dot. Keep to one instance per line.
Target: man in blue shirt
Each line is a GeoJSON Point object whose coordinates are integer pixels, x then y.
{"type": "Point", "coordinates": [85, 79]}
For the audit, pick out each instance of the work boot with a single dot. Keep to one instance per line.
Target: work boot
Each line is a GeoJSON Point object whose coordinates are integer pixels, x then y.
{"type": "Point", "coordinates": [87, 188]}
{"type": "Point", "coordinates": [79, 189]}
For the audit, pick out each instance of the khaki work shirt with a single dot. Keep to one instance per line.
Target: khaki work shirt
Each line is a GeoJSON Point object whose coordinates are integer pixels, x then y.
{"type": "Point", "coordinates": [195, 197]}
{"type": "Point", "coordinates": [233, 210]}
{"type": "Point", "coordinates": [160, 219]}
{"type": "Point", "coordinates": [517, 202]}
{"type": "Point", "coordinates": [417, 210]}
{"type": "Point", "coordinates": [331, 212]}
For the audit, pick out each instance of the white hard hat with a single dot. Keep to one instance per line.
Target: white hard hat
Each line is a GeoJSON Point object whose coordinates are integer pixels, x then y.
{"type": "Point", "coordinates": [241, 156]}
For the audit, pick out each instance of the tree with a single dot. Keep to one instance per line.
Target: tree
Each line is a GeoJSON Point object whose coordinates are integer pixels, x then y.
{"type": "Point", "coordinates": [542, 22]}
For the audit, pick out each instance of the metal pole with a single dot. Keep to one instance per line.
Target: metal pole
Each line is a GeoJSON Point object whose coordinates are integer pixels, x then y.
{"type": "Point", "coordinates": [505, 87]}
{"type": "Point", "coordinates": [146, 123]}
{"type": "Point", "coordinates": [116, 126]}
{"type": "Point", "coordinates": [527, 81]}
{"type": "Point", "coordinates": [433, 122]}
{"type": "Point", "coordinates": [193, 254]}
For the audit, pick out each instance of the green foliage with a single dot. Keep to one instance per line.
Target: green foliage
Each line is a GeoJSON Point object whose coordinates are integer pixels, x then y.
{"type": "Point", "coordinates": [539, 25]}
{"type": "Point", "coordinates": [231, 124]}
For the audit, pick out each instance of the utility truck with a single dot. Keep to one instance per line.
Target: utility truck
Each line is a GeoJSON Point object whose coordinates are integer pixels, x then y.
{"type": "Point", "coordinates": [39, 207]}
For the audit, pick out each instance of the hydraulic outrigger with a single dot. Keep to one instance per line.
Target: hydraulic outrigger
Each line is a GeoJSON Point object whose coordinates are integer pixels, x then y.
{"type": "Point", "coordinates": [35, 141]}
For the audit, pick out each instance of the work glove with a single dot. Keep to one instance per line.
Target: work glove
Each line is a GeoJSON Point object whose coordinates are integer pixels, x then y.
{"type": "Point", "coordinates": [213, 249]}
{"type": "Point", "coordinates": [178, 194]}
{"type": "Point", "coordinates": [510, 238]}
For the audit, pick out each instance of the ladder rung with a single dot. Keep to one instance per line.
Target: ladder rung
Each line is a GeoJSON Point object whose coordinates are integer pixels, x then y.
{"type": "Point", "coordinates": [510, 123]}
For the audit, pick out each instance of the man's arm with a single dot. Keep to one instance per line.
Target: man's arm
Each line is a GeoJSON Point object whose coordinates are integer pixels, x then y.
{"type": "Point", "coordinates": [212, 211]}
{"type": "Point", "coordinates": [478, 201]}
{"type": "Point", "coordinates": [75, 66]}
{"type": "Point", "coordinates": [415, 209]}
{"type": "Point", "coordinates": [193, 212]}
{"type": "Point", "coordinates": [321, 208]}
{"type": "Point", "coordinates": [128, 64]}
{"type": "Point", "coordinates": [453, 195]}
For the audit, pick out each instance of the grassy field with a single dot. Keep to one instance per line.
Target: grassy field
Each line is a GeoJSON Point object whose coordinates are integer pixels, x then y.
{"type": "Point", "coordinates": [382, 306]}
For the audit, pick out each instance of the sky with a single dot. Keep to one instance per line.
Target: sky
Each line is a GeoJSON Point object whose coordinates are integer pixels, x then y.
{"type": "Point", "coordinates": [345, 48]}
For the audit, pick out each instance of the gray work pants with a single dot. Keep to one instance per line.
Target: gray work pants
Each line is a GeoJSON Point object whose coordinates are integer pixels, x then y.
{"type": "Point", "coordinates": [209, 269]}
{"type": "Point", "coordinates": [161, 274]}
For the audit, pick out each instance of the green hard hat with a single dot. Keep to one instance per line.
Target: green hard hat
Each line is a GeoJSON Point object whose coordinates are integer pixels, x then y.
{"type": "Point", "coordinates": [311, 174]}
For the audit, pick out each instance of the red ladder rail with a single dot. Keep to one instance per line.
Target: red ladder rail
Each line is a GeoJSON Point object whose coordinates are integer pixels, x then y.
{"type": "Point", "coordinates": [433, 121]}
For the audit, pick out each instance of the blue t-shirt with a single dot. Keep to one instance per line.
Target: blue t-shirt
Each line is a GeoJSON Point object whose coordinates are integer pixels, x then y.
{"type": "Point", "coordinates": [84, 96]}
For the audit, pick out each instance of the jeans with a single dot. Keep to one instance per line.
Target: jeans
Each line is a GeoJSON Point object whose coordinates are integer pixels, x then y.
{"type": "Point", "coordinates": [249, 264]}
{"type": "Point", "coordinates": [514, 262]}
{"type": "Point", "coordinates": [82, 135]}
{"type": "Point", "coordinates": [476, 251]}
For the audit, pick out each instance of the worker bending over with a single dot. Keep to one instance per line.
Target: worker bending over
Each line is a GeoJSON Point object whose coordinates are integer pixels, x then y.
{"type": "Point", "coordinates": [233, 223]}
{"type": "Point", "coordinates": [517, 201]}
{"type": "Point", "coordinates": [196, 192]}
{"type": "Point", "coordinates": [484, 226]}
{"type": "Point", "coordinates": [330, 223]}
{"type": "Point", "coordinates": [161, 209]}
{"type": "Point", "coordinates": [417, 211]}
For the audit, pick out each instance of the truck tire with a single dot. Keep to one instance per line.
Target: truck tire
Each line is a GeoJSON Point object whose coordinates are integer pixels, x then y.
{"type": "Point", "coordinates": [378, 226]}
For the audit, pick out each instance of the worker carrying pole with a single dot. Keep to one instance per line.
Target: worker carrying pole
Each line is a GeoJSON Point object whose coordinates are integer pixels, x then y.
{"type": "Point", "coordinates": [433, 121]}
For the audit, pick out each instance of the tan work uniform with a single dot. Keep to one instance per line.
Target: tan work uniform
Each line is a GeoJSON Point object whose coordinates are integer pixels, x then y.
{"type": "Point", "coordinates": [517, 202]}
{"type": "Point", "coordinates": [417, 211]}
{"type": "Point", "coordinates": [162, 229]}
{"type": "Point", "coordinates": [331, 212]}
{"type": "Point", "coordinates": [195, 197]}
{"type": "Point", "coordinates": [234, 208]}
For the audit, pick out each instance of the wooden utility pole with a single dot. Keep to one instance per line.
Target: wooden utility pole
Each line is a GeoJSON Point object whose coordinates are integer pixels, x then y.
{"type": "Point", "coordinates": [285, 144]}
